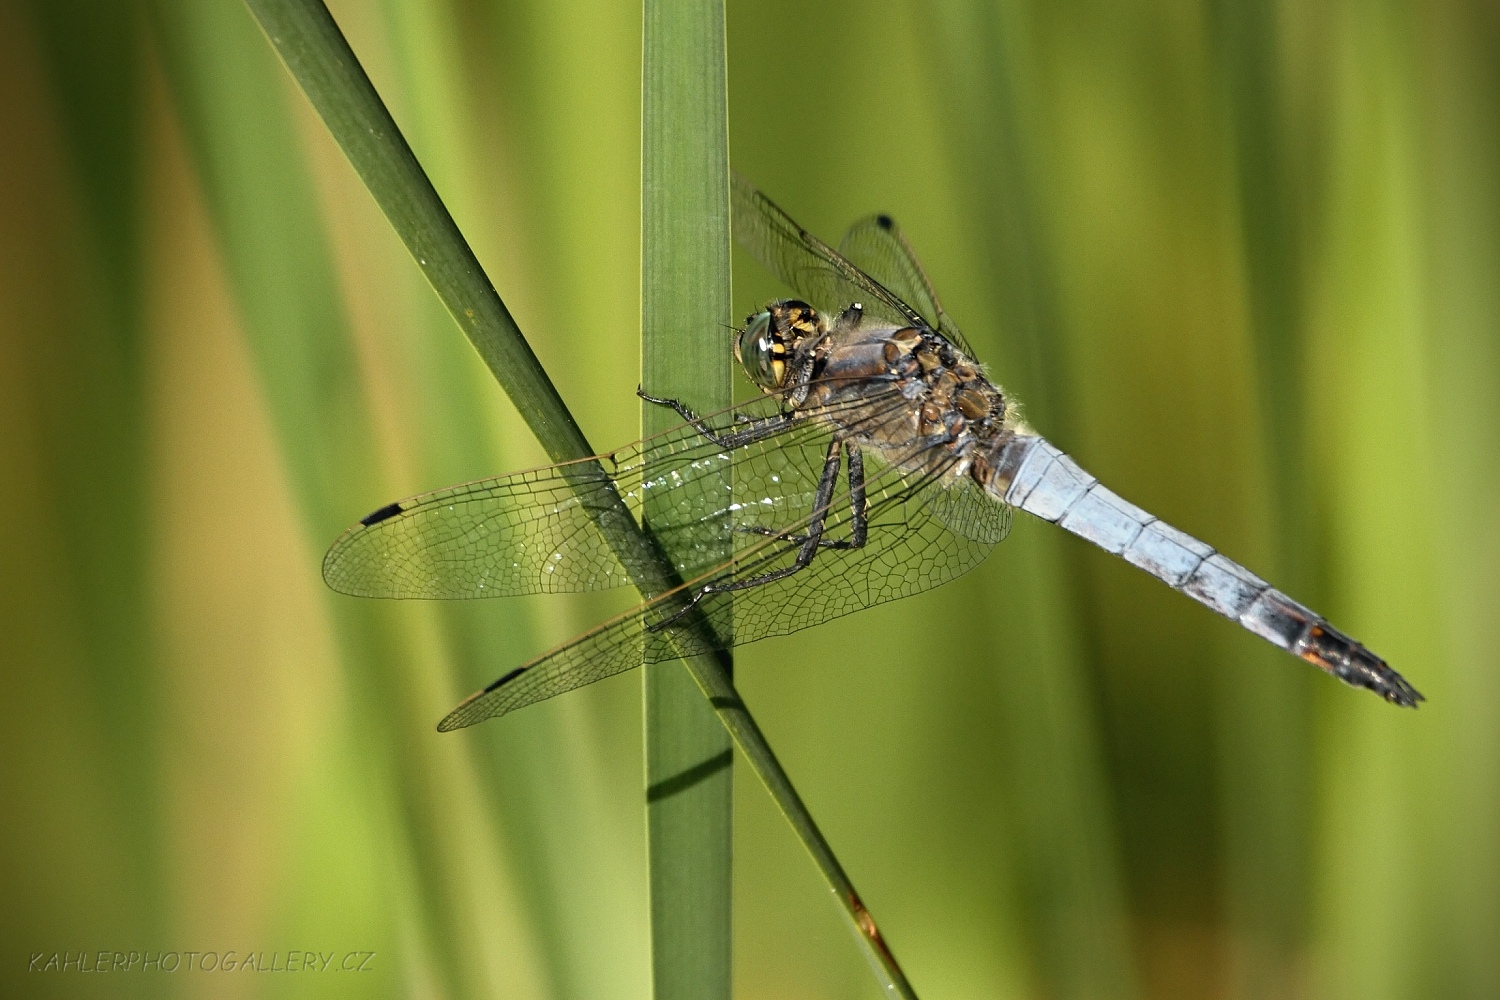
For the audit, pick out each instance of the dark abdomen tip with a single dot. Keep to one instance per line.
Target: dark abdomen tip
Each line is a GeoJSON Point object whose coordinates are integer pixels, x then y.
{"type": "Point", "coordinates": [1331, 650]}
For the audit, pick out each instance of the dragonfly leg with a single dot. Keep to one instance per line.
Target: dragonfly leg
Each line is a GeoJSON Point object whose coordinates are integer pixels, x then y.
{"type": "Point", "coordinates": [755, 430]}
{"type": "Point", "coordinates": [859, 525]}
{"type": "Point", "coordinates": [810, 542]}
{"type": "Point", "coordinates": [859, 522]}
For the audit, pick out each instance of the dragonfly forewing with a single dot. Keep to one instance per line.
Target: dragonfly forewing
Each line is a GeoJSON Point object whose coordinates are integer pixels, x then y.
{"type": "Point", "coordinates": [531, 532]}
{"type": "Point", "coordinates": [542, 531]}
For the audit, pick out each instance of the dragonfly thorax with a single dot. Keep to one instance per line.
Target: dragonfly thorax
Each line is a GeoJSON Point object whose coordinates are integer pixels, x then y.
{"type": "Point", "coordinates": [908, 393]}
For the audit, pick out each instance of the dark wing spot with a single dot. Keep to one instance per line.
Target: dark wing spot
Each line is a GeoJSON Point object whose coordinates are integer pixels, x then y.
{"type": "Point", "coordinates": [506, 679]}
{"type": "Point", "coordinates": [388, 511]}
{"type": "Point", "coordinates": [885, 221]}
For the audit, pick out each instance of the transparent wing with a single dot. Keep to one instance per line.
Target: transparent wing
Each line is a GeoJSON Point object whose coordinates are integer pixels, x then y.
{"type": "Point", "coordinates": [878, 247]}
{"type": "Point", "coordinates": [914, 543]}
{"type": "Point", "coordinates": [539, 531]}
{"type": "Point", "coordinates": [964, 508]}
{"type": "Point", "coordinates": [815, 270]}
{"type": "Point", "coordinates": [526, 533]}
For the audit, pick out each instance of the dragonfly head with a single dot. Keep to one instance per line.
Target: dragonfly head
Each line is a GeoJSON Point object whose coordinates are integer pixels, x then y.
{"type": "Point", "coordinates": [770, 339]}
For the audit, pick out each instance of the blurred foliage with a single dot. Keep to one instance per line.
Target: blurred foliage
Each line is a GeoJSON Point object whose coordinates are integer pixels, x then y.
{"type": "Point", "coordinates": [1239, 259]}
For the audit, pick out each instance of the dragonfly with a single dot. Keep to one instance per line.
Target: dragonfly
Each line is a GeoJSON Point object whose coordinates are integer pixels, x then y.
{"type": "Point", "coordinates": [879, 460]}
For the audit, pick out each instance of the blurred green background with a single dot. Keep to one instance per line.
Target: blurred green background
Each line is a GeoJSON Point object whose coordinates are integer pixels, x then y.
{"type": "Point", "coordinates": [1240, 259]}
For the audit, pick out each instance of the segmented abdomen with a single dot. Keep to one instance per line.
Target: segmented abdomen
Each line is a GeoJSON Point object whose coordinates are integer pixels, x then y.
{"type": "Point", "coordinates": [1035, 476]}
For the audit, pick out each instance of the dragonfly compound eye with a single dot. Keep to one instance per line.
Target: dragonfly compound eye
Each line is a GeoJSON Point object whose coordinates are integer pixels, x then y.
{"type": "Point", "coordinates": [761, 351]}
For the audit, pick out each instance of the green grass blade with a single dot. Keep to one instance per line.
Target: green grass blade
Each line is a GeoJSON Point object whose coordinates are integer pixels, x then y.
{"type": "Point", "coordinates": [684, 302]}
{"type": "Point", "coordinates": [75, 425]}
{"type": "Point", "coordinates": [315, 51]}
{"type": "Point", "coordinates": [1058, 807]}
{"type": "Point", "coordinates": [280, 266]}
{"type": "Point", "coordinates": [1459, 72]}
{"type": "Point", "coordinates": [1266, 730]}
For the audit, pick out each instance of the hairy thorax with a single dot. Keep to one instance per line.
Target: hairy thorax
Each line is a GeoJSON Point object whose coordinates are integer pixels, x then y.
{"type": "Point", "coordinates": [949, 419]}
